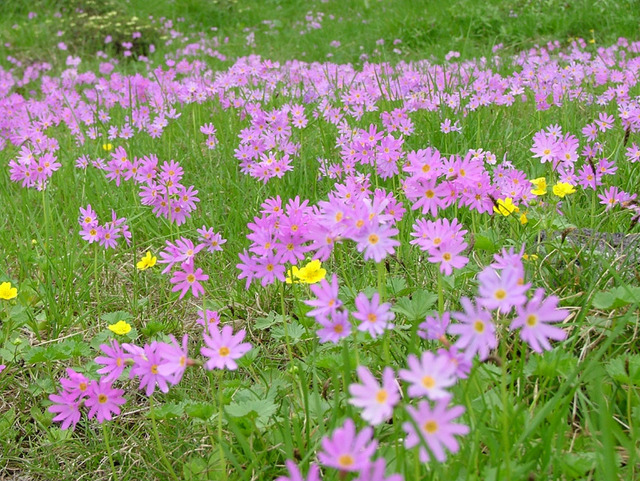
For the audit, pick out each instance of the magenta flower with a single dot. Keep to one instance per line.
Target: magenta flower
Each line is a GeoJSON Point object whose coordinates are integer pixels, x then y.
{"type": "Point", "coordinates": [296, 475]}
{"type": "Point", "coordinates": [335, 326]}
{"type": "Point", "coordinates": [434, 328]}
{"type": "Point", "coordinates": [103, 400]}
{"type": "Point", "coordinates": [146, 363]}
{"type": "Point", "coordinates": [347, 451]}
{"type": "Point", "coordinates": [429, 376]}
{"type": "Point", "coordinates": [224, 347]}
{"type": "Point", "coordinates": [534, 319]}
{"type": "Point", "coordinates": [174, 359]}
{"type": "Point", "coordinates": [477, 332]}
{"type": "Point", "coordinates": [502, 291]}
{"type": "Point", "coordinates": [377, 401]}
{"type": "Point", "coordinates": [188, 279]}
{"type": "Point", "coordinates": [76, 385]}
{"type": "Point", "coordinates": [375, 472]}
{"type": "Point", "coordinates": [376, 242]}
{"type": "Point", "coordinates": [114, 362]}
{"type": "Point", "coordinates": [67, 409]}
{"type": "Point", "coordinates": [374, 317]}
{"type": "Point", "coordinates": [435, 427]}
{"type": "Point", "coordinates": [327, 301]}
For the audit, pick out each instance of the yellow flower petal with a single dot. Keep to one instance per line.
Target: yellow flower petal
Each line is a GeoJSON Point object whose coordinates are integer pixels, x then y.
{"type": "Point", "coordinates": [120, 328]}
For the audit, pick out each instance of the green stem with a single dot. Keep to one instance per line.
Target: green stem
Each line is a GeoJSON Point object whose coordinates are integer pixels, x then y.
{"type": "Point", "coordinates": [284, 323]}
{"type": "Point", "coordinates": [382, 285]}
{"type": "Point", "coordinates": [440, 293]}
{"type": "Point", "coordinates": [223, 463]}
{"type": "Point", "coordinates": [105, 435]}
{"type": "Point", "coordinates": [163, 455]}
{"type": "Point", "coordinates": [506, 443]}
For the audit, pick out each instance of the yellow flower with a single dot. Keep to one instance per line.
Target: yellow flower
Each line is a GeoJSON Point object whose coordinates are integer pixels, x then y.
{"type": "Point", "coordinates": [311, 273]}
{"type": "Point", "coordinates": [563, 188]}
{"type": "Point", "coordinates": [107, 147]}
{"type": "Point", "coordinates": [7, 292]}
{"type": "Point", "coordinates": [523, 218]}
{"type": "Point", "coordinates": [147, 261]}
{"type": "Point", "coordinates": [505, 207]}
{"type": "Point", "coordinates": [291, 275]}
{"type": "Point", "coordinates": [540, 186]}
{"type": "Point", "coordinates": [120, 328]}
{"type": "Point", "coordinates": [532, 257]}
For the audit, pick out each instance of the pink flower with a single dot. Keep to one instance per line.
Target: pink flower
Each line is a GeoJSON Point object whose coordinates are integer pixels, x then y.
{"type": "Point", "coordinates": [335, 326]}
{"type": "Point", "coordinates": [429, 376]}
{"type": "Point", "coordinates": [188, 279]}
{"type": "Point", "coordinates": [224, 347]}
{"type": "Point", "coordinates": [347, 451]}
{"type": "Point", "coordinates": [103, 400]}
{"type": "Point", "coordinates": [435, 427]}
{"type": "Point", "coordinates": [175, 359]}
{"type": "Point", "coordinates": [67, 409]}
{"type": "Point", "coordinates": [535, 319]}
{"type": "Point", "coordinates": [377, 401]}
{"type": "Point", "coordinates": [374, 317]}
{"type": "Point", "coordinates": [502, 291]}
{"type": "Point", "coordinates": [296, 475]}
{"type": "Point", "coordinates": [477, 332]}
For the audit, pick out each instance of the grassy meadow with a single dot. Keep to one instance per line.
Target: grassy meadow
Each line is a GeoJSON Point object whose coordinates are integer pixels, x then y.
{"type": "Point", "coordinates": [300, 240]}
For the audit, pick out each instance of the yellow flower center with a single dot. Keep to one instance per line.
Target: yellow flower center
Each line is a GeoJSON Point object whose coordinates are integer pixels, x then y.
{"type": "Point", "coordinates": [373, 239]}
{"type": "Point", "coordinates": [431, 426]}
{"type": "Point", "coordinates": [102, 398]}
{"type": "Point", "coordinates": [532, 320]}
{"type": "Point", "coordinates": [224, 351]}
{"type": "Point", "coordinates": [346, 460]}
{"type": "Point", "coordinates": [500, 294]}
{"type": "Point", "coordinates": [428, 382]}
{"type": "Point", "coordinates": [478, 326]}
{"type": "Point", "coordinates": [382, 396]}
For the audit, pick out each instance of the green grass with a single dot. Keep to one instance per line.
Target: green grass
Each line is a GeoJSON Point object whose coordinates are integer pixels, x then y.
{"type": "Point", "coordinates": [571, 413]}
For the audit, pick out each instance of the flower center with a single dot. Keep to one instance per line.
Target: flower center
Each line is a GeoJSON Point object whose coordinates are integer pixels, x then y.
{"type": "Point", "coordinates": [478, 326]}
{"type": "Point", "coordinates": [191, 278]}
{"type": "Point", "coordinates": [154, 369]}
{"type": "Point", "coordinates": [428, 382]}
{"type": "Point", "coordinates": [372, 317]}
{"type": "Point", "coordinates": [431, 426]}
{"type": "Point", "coordinates": [500, 294]}
{"type": "Point", "coordinates": [382, 396]}
{"type": "Point", "coordinates": [224, 351]}
{"type": "Point", "coordinates": [446, 256]}
{"type": "Point", "coordinates": [532, 320]}
{"type": "Point", "coordinates": [346, 460]}
{"type": "Point", "coordinates": [373, 239]}
{"type": "Point", "coordinates": [102, 398]}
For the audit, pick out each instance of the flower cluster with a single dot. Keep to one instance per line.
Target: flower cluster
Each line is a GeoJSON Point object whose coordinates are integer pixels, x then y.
{"type": "Point", "coordinates": [330, 313]}
{"type": "Point", "coordinates": [105, 235]}
{"type": "Point", "coordinates": [155, 365]}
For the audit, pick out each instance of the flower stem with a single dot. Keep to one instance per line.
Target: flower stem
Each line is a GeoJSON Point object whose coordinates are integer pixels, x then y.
{"type": "Point", "coordinates": [105, 435]}
{"type": "Point", "coordinates": [223, 463]}
{"type": "Point", "coordinates": [163, 455]}
{"type": "Point", "coordinates": [284, 323]}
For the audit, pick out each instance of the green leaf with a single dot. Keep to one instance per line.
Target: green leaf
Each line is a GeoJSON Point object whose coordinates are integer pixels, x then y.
{"type": "Point", "coordinates": [617, 297]}
{"type": "Point", "coordinates": [268, 321]}
{"type": "Point", "coordinates": [625, 369]}
{"type": "Point", "coordinates": [295, 331]}
{"type": "Point", "coordinates": [247, 404]}
{"type": "Point", "coordinates": [416, 307]}
{"type": "Point", "coordinates": [168, 411]}
{"type": "Point", "coordinates": [200, 410]}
